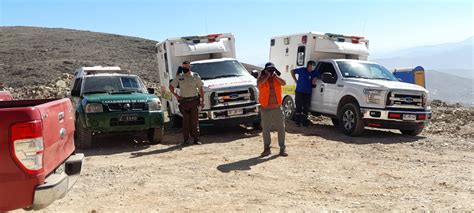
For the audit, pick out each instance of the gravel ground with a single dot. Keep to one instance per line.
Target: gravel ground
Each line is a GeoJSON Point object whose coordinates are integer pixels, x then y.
{"type": "Point", "coordinates": [325, 170]}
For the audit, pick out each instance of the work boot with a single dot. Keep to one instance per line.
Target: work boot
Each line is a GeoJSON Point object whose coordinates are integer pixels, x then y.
{"type": "Point", "coordinates": [197, 142]}
{"type": "Point", "coordinates": [266, 152]}
{"type": "Point", "coordinates": [283, 153]}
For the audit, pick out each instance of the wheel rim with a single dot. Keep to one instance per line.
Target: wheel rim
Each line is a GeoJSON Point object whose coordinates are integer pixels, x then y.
{"type": "Point", "coordinates": [288, 108]}
{"type": "Point", "coordinates": [348, 119]}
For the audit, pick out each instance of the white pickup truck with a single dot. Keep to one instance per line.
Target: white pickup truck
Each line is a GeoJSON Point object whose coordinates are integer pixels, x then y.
{"type": "Point", "coordinates": [356, 94]}
{"type": "Point", "coordinates": [353, 92]}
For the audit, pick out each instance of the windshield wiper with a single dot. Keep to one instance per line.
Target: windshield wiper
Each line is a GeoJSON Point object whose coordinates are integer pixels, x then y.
{"type": "Point", "coordinates": [383, 79]}
{"type": "Point", "coordinates": [356, 76]}
{"type": "Point", "coordinates": [95, 92]}
{"type": "Point", "coordinates": [124, 91]}
{"type": "Point", "coordinates": [225, 76]}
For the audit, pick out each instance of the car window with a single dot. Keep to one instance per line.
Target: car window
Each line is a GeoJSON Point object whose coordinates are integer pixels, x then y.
{"type": "Point", "coordinates": [220, 69]}
{"type": "Point", "coordinates": [108, 84]}
{"type": "Point", "coordinates": [326, 67]}
{"type": "Point", "coordinates": [357, 69]}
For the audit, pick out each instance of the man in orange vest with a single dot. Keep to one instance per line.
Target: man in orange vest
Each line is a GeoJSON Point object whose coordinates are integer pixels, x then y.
{"type": "Point", "coordinates": [269, 85]}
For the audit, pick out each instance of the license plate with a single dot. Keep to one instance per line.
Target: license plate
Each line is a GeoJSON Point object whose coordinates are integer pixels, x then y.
{"type": "Point", "coordinates": [235, 112]}
{"type": "Point", "coordinates": [408, 117]}
{"type": "Point", "coordinates": [128, 118]}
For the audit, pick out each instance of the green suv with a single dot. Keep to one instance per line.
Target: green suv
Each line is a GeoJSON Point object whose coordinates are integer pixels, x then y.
{"type": "Point", "coordinates": [110, 100]}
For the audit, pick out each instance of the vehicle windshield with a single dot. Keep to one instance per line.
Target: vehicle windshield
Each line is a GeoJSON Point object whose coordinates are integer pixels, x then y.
{"type": "Point", "coordinates": [356, 69]}
{"type": "Point", "coordinates": [113, 84]}
{"type": "Point", "coordinates": [221, 69]}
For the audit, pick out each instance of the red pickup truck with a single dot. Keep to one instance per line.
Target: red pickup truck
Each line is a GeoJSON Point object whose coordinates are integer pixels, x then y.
{"type": "Point", "coordinates": [38, 163]}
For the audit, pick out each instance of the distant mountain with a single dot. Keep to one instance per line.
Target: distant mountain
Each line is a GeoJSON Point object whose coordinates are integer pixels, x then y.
{"type": "Point", "coordinates": [453, 58]}
{"type": "Point", "coordinates": [450, 88]}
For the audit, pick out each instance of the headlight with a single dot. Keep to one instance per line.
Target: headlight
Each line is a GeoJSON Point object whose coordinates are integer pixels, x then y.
{"type": "Point", "coordinates": [426, 101]}
{"type": "Point", "coordinates": [92, 108]}
{"type": "Point", "coordinates": [374, 96]}
{"type": "Point", "coordinates": [154, 105]}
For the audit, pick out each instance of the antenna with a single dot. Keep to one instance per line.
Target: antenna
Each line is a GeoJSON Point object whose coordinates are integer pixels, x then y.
{"type": "Point", "coordinates": [205, 22]}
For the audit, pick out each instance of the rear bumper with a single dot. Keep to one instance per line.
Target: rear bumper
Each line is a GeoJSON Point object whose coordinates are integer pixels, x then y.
{"type": "Point", "coordinates": [379, 118]}
{"type": "Point", "coordinates": [57, 185]}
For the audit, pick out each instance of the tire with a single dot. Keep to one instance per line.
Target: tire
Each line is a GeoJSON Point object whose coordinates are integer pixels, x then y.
{"type": "Point", "coordinates": [155, 136]}
{"type": "Point", "coordinates": [350, 119]}
{"type": "Point", "coordinates": [335, 122]}
{"type": "Point", "coordinates": [288, 107]}
{"type": "Point", "coordinates": [412, 132]}
{"type": "Point", "coordinates": [83, 137]}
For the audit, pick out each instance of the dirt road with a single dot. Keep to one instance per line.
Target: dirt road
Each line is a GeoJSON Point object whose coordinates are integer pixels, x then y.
{"type": "Point", "coordinates": [325, 170]}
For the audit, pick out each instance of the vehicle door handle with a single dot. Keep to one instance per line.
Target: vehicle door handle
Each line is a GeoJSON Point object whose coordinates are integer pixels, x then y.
{"type": "Point", "coordinates": [340, 85]}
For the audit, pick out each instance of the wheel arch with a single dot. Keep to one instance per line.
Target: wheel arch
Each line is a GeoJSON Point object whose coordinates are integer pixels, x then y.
{"type": "Point", "coordinates": [345, 100]}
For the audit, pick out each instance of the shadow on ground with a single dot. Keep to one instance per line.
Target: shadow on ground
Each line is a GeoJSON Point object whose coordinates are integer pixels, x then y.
{"type": "Point", "coordinates": [244, 164]}
{"type": "Point", "coordinates": [370, 136]}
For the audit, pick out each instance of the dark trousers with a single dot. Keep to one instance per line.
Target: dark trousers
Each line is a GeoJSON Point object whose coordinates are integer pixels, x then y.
{"type": "Point", "coordinates": [190, 110]}
{"type": "Point", "coordinates": [303, 102]}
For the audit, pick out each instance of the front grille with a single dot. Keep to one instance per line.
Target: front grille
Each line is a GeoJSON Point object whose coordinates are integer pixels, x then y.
{"type": "Point", "coordinates": [116, 122]}
{"type": "Point", "coordinates": [231, 98]}
{"type": "Point", "coordinates": [120, 107]}
{"type": "Point", "coordinates": [405, 99]}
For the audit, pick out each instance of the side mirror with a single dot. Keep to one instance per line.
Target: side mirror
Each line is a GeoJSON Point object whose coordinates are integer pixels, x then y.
{"type": "Point", "coordinates": [254, 73]}
{"type": "Point", "coordinates": [151, 90]}
{"type": "Point", "coordinates": [75, 93]}
{"type": "Point", "coordinates": [327, 78]}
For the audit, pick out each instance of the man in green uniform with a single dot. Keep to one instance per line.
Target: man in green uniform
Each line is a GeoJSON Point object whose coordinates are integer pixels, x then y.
{"type": "Point", "coordinates": [190, 97]}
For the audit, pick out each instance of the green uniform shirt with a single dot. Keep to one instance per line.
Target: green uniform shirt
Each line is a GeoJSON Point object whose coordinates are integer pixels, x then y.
{"type": "Point", "coordinates": [188, 85]}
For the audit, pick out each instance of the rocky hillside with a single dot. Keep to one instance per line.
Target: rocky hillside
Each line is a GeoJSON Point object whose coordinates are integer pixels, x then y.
{"type": "Point", "coordinates": [36, 56]}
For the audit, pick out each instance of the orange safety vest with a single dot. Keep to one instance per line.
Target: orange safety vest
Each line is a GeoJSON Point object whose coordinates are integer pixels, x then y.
{"type": "Point", "coordinates": [264, 90]}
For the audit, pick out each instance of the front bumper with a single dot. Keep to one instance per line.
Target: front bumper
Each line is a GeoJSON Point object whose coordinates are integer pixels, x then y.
{"type": "Point", "coordinates": [57, 185]}
{"type": "Point", "coordinates": [380, 118]}
{"type": "Point", "coordinates": [109, 121]}
{"type": "Point", "coordinates": [245, 115]}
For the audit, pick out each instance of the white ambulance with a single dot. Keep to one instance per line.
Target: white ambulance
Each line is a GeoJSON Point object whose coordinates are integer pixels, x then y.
{"type": "Point", "coordinates": [231, 93]}
{"type": "Point", "coordinates": [353, 92]}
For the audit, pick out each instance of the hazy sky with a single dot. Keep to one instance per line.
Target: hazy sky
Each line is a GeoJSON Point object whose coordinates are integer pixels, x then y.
{"type": "Point", "coordinates": [389, 25]}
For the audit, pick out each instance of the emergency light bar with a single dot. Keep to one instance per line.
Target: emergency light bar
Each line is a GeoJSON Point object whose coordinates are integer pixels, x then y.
{"type": "Point", "coordinates": [197, 39]}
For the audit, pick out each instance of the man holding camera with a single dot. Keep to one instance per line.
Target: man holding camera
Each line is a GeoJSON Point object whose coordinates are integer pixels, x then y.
{"type": "Point", "coordinates": [269, 85]}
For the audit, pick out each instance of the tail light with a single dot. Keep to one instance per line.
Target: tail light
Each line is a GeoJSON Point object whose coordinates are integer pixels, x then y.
{"type": "Point", "coordinates": [27, 146]}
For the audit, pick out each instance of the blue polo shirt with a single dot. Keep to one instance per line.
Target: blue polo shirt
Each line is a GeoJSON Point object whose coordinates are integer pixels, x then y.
{"type": "Point", "coordinates": [304, 83]}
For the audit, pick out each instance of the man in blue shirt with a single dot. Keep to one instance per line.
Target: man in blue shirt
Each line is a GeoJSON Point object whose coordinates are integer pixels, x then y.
{"type": "Point", "coordinates": [304, 87]}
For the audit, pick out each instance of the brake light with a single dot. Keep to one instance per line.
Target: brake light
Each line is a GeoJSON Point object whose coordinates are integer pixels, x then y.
{"type": "Point", "coordinates": [355, 39]}
{"type": "Point", "coordinates": [27, 146]}
{"type": "Point", "coordinates": [304, 39]}
{"type": "Point", "coordinates": [394, 115]}
{"type": "Point", "coordinates": [213, 37]}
